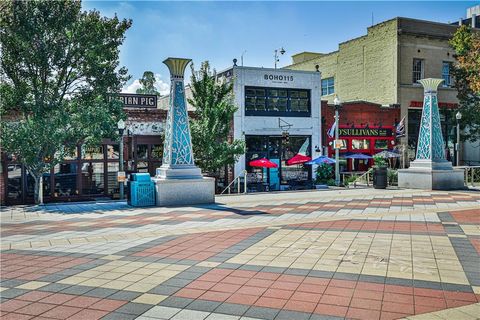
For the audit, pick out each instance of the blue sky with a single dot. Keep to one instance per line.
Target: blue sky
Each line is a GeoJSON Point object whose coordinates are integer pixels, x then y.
{"type": "Point", "coordinates": [221, 31]}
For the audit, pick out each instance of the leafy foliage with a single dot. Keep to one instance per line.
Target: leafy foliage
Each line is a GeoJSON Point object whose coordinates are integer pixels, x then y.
{"type": "Point", "coordinates": [324, 173]}
{"type": "Point", "coordinates": [467, 79]}
{"type": "Point", "coordinates": [148, 84]}
{"type": "Point", "coordinates": [59, 69]}
{"type": "Point", "coordinates": [212, 141]}
{"type": "Point", "coordinates": [379, 161]}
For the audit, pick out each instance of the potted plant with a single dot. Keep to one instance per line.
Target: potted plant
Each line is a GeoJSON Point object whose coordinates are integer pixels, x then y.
{"type": "Point", "coordinates": [323, 176]}
{"type": "Point", "coordinates": [379, 172]}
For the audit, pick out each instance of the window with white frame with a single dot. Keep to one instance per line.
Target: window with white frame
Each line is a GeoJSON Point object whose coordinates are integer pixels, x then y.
{"type": "Point", "coordinates": [418, 70]}
{"type": "Point", "coordinates": [328, 86]}
{"type": "Point", "coordinates": [447, 73]}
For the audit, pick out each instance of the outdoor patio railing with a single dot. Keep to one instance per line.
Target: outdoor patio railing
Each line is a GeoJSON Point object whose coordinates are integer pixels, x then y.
{"type": "Point", "coordinates": [472, 175]}
{"type": "Point", "coordinates": [238, 181]}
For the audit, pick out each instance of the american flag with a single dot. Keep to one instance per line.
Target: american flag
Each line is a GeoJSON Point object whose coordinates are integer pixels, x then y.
{"type": "Point", "coordinates": [401, 128]}
{"type": "Point", "coordinates": [331, 132]}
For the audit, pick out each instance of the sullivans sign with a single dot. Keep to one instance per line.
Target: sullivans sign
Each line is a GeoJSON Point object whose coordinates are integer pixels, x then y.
{"type": "Point", "coordinates": [358, 132]}
{"type": "Point", "coordinates": [138, 100]}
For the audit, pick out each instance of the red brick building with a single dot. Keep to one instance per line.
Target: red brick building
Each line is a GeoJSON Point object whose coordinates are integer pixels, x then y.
{"type": "Point", "coordinates": [365, 127]}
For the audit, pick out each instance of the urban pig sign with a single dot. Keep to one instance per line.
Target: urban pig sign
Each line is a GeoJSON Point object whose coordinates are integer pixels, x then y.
{"type": "Point", "coordinates": [138, 100]}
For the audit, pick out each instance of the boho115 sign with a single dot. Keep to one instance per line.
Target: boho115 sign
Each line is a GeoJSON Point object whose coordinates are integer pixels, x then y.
{"type": "Point", "coordinates": [138, 100]}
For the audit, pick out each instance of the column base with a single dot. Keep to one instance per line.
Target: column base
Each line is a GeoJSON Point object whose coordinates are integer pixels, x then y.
{"type": "Point", "coordinates": [181, 192]}
{"type": "Point", "coordinates": [431, 179]}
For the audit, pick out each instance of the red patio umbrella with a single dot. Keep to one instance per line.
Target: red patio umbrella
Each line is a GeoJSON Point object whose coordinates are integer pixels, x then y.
{"type": "Point", "coordinates": [263, 163]}
{"type": "Point", "coordinates": [298, 159]}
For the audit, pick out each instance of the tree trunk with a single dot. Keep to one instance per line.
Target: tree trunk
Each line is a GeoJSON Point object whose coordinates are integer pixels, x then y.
{"type": "Point", "coordinates": [38, 189]}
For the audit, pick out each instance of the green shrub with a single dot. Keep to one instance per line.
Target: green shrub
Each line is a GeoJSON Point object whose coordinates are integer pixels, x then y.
{"type": "Point", "coordinates": [379, 161]}
{"type": "Point", "coordinates": [392, 176]}
{"type": "Point", "coordinates": [324, 173]}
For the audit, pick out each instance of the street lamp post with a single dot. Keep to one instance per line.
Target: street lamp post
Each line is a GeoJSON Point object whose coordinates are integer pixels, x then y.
{"type": "Point", "coordinates": [337, 104]}
{"type": "Point", "coordinates": [458, 116]}
{"type": "Point", "coordinates": [282, 51]}
{"type": "Point", "coordinates": [121, 129]}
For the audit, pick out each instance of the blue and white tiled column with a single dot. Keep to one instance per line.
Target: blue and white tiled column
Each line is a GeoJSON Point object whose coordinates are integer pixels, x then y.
{"type": "Point", "coordinates": [178, 161]}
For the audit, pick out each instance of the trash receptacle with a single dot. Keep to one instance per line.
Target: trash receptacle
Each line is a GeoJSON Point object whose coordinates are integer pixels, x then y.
{"type": "Point", "coordinates": [380, 177]}
{"type": "Point", "coordinates": [142, 190]}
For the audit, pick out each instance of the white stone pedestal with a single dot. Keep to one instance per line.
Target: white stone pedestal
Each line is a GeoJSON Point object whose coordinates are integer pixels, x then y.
{"type": "Point", "coordinates": [430, 175]}
{"type": "Point", "coordinates": [178, 192]}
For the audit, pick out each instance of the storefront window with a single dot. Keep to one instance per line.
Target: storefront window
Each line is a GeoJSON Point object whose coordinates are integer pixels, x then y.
{"type": "Point", "coordinates": [381, 144]}
{"type": "Point", "coordinates": [65, 180]}
{"type": "Point", "coordinates": [279, 101]}
{"type": "Point", "coordinates": [157, 151]}
{"type": "Point", "coordinates": [92, 153]}
{"type": "Point", "coordinates": [112, 169]}
{"type": "Point", "coordinates": [14, 182]}
{"type": "Point", "coordinates": [360, 144]}
{"type": "Point", "coordinates": [113, 151]}
{"type": "Point", "coordinates": [92, 178]}
{"type": "Point", "coordinates": [142, 151]}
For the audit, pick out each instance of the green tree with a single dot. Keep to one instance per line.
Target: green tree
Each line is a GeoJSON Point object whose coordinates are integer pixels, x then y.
{"type": "Point", "coordinates": [148, 84]}
{"type": "Point", "coordinates": [466, 73]}
{"type": "Point", "coordinates": [59, 68]}
{"type": "Point", "coordinates": [211, 125]}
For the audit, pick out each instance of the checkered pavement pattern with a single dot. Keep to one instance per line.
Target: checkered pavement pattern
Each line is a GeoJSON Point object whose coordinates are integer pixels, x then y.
{"type": "Point", "coordinates": [404, 256]}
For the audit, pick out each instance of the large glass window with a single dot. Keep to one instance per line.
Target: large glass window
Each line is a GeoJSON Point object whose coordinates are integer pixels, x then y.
{"type": "Point", "coordinates": [65, 179]}
{"type": "Point", "coordinates": [328, 86]}
{"type": "Point", "coordinates": [277, 101]}
{"type": "Point", "coordinates": [361, 144]}
{"type": "Point", "coordinates": [417, 70]}
{"type": "Point", "coordinates": [14, 182]}
{"type": "Point", "coordinates": [446, 74]}
{"type": "Point", "coordinates": [92, 152]}
{"type": "Point", "coordinates": [92, 178]}
{"type": "Point", "coordinates": [113, 151]}
{"type": "Point", "coordinates": [112, 169]}
{"type": "Point", "coordinates": [157, 151]}
{"type": "Point", "coordinates": [381, 144]}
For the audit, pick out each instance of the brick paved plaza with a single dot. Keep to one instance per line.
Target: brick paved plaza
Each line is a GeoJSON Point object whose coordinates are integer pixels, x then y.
{"type": "Point", "coordinates": [359, 254]}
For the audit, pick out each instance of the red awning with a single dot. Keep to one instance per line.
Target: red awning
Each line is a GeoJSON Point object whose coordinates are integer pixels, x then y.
{"type": "Point", "coordinates": [298, 159]}
{"type": "Point", "coordinates": [263, 163]}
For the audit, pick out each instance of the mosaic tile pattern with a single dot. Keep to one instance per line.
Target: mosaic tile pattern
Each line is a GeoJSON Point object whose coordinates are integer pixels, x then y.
{"type": "Point", "coordinates": [305, 260]}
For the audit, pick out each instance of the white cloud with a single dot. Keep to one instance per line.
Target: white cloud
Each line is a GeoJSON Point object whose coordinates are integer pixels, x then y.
{"type": "Point", "coordinates": [162, 86]}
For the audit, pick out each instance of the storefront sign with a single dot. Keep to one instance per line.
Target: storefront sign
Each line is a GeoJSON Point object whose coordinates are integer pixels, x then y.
{"type": "Point", "coordinates": [121, 176]}
{"type": "Point", "coordinates": [447, 105]}
{"type": "Point", "coordinates": [357, 132]}
{"type": "Point", "coordinates": [278, 78]}
{"type": "Point", "coordinates": [138, 100]}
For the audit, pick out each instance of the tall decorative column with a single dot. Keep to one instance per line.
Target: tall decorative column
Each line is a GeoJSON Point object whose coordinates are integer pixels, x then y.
{"type": "Point", "coordinates": [430, 170]}
{"type": "Point", "coordinates": [178, 180]}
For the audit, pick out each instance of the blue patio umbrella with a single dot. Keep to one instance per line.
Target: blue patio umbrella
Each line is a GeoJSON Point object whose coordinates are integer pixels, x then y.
{"type": "Point", "coordinates": [358, 156]}
{"type": "Point", "coordinates": [321, 160]}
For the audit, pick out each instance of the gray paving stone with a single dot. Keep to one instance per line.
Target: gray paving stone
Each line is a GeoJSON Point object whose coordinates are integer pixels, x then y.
{"type": "Point", "coordinates": [125, 295]}
{"type": "Point", "coordinates": [134, 308]}
{"type": "Point", "coordinates": [55, 287]}
{"type": "Point", "coordinates": [289, 315]}
{"type": "Point", "coordinates": [176, 302]}
{"type": "Point", "coordinates": [11, 283]}
{"type": "Point", "coordinates": [100, 292]}
{"type": "Point", "coordinates": [77, 290]}
{"type": "Point", "coordinates": [13, 293]}
{"type": "Point", "coordinates": [177, 282]}
{"type": "Point", "coordinates": [203, 305]}
{"type": "Point", "coordinates": [232, 309]}
{"type": "Point", "coordinates": [262, 313]}
{"type": "Point", "coordinates": [165, 290]}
